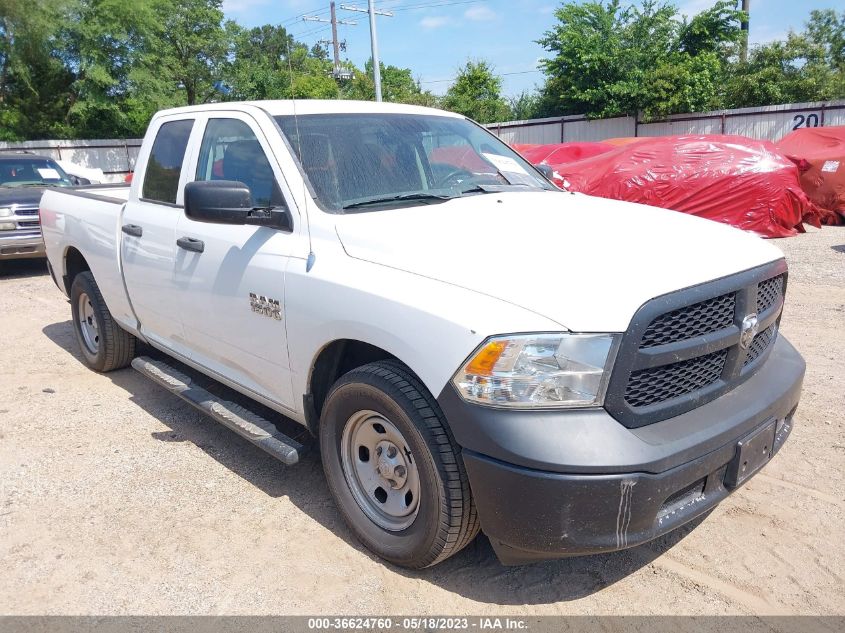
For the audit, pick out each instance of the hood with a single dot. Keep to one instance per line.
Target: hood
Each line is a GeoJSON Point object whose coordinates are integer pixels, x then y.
{"type": "Point", "coordinates": [23, 196]}
{"type": "Point", "coordinates": [587, 263]}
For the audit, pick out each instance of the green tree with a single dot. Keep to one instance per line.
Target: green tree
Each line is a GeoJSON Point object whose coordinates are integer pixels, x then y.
{"type": "Point", "coordinates": [107, 45]}
{"type": "Point", "coordinates": [524, 106]}
{"type": "Point", "coordinates": [611, 60]}
{"type": "Point", "coordinates": [192, 47]}
{"type": "Point", "coordinates": [397, 86]}
{"type": "Point", "coordinates": [828, 30]}
{"type": "Point", "coordinates": [476, 93]}
{"type": "Point", "coordinates": [34, 83]}
{"type": "Point", "coordinates": [807, 66]}
{"type": "Point", "coordinates": [268, 63]}
{"type": "Point", "coordinates": [714, 30]}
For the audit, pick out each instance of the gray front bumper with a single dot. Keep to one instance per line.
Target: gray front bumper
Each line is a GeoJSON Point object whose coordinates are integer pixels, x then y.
{"type": "Point", "coordinates": [12, 247]}
{"type": "Point", "coordinates": [563, 483]}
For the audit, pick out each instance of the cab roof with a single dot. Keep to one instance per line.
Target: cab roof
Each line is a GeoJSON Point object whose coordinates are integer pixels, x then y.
{"type": "Point", "coordinates": [315, 106]}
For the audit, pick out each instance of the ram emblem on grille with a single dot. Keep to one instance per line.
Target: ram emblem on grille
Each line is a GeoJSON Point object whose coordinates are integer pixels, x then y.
{"type": "Point", "coordinates": [750, 326]}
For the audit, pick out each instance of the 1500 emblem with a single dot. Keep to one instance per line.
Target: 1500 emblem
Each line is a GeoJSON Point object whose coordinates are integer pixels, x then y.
{"type": "Point", "coordinates": [265, 306]}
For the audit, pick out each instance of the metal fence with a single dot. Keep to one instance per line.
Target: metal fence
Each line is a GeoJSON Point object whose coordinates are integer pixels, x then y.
{"type": "Point", "coordinates": [770, 123]}
{"type": "Point", "coordinates": [115, 157]}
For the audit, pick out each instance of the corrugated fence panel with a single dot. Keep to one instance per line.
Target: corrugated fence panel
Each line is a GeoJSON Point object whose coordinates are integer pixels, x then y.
{"type": "Point", "coordinates": [681, 127]}
{"type": "Point", "coordinates": [583, 130]}
{"type": "Point", "coordinates": [115, 157]}
{"type": "Point", "coordinates": [769, 123]}
{"type": "Point", "coordinates": [534, 134]}
{"type": "Point", "coordinates": [769, 126]}
{"type": "Point", "coordinates": [834, 117]}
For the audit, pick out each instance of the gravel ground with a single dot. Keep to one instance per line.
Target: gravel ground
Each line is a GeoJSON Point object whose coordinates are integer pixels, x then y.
{"type": "Point", "coordinates": [116, 498]}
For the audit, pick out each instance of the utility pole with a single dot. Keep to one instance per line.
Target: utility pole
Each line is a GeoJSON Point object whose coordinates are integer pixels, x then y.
{"type": "Point", "coordinates": [373, 39]}
{"type": "Point", "coordinates": [337, 72]}
{"type": "Point", "coordinates": [743, 25]}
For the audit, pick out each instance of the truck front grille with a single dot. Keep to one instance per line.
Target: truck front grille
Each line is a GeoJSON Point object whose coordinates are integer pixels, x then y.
{"type": "Point", "coordinates": [760, 344]}
{"type": "Point", "coordinates": [685, 348]}
{"type": "Point", "coordinates": [27, 224]}
{"type": "Point", "coordinates": [659, 384]}
{"type": "Point", "coordinates": [769, 292]}
{"type": "Point", "coordinates": [695, 320]}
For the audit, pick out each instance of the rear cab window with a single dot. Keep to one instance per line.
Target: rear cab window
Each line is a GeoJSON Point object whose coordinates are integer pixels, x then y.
{"type": "Point", "coordinates": [164, 167]}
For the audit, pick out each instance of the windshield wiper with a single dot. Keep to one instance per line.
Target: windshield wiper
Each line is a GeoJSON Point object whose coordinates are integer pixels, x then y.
{"type": "Point", "coordinates": [493, 188]}
{"type": "Point", "coordinates": [396, 198]}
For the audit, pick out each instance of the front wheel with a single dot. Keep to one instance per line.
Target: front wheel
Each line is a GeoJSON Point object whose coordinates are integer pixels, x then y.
{"type": "Point", "coordinates": [393, 467]}
{"type": "Point", "coordinates": [104, 344]}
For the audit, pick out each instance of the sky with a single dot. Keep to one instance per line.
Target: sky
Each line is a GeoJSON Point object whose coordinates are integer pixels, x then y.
{"type": "Point", "coordinates": [436, 37]}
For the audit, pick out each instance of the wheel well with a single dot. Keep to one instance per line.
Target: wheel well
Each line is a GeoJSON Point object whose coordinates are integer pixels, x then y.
{"type": "Point", "coordinates": [334, 360]}
{"type": "Point", "coordinates": [74, 264]}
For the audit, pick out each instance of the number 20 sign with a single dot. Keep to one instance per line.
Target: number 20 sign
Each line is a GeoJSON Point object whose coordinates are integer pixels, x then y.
{"type": "Point", "coordinates": [811, 119]}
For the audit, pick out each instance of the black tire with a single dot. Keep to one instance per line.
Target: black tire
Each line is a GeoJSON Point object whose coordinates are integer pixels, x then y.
{"type": "Point", "coordinates": [446, 519]}
{"type": "Point", "coordinates": [115, 347]}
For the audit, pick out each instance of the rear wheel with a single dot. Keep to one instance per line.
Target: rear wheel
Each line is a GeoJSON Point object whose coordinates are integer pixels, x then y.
{"type": "Point", "coordinates": [393, 467]}
{"type": "Point", "coordinates": [104, 344]}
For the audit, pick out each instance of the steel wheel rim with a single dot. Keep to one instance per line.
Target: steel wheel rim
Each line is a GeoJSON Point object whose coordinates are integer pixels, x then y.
{"type": "Point", "coordinates": [88, 324]}
{"type": "Point", "coordinates": [380, 470]}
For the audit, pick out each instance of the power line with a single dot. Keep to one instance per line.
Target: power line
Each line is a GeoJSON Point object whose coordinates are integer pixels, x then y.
{"type": "Point", "coordinates": [521, 72]}
{"type": "Point", "coordinates": [433, 5]}
{"type": "Point", "coordinates": [320, 29]}
{"type": "Point", "coordinates": [372, 12]}
{"type": "Point", "coordinates": [337, 72]}
{"type": "Point", "coordinates": [297, 18]}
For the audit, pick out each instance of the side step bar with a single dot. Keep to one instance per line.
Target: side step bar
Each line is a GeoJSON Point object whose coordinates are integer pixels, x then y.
{"type": "Point", "coordinates": [242, 421]}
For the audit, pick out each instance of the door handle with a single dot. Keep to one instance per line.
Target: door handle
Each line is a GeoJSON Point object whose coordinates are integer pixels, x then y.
{"type": "Point", "coordinates": [132, 229]}
{"type": "Point", "coordinates": [191, 244]}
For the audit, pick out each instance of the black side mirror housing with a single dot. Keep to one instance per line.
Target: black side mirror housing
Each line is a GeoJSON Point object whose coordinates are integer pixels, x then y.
{"type": "Point", "coordinates": [230, 202]}
{"type": "Point", "coordinates": [547, 171]}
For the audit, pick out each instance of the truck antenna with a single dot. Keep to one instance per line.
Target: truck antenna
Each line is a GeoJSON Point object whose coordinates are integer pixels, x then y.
{"type": "Point", "coordinates": [311, 256]}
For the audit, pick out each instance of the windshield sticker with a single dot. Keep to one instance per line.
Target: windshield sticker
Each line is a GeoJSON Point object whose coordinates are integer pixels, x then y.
{"type": "Point", "coordinates": [510, 169]}
{"type": "Point", "coordinates": [49, 173]}
{"type": "Point", "coordinates": [830, 166]}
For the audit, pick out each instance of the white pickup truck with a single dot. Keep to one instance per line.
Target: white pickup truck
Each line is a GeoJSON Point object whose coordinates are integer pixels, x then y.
{"type": "Point", "coordinates": [471, 347]}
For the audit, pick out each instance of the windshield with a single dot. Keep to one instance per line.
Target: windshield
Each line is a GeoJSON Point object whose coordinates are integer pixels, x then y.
{"type": "Point", "coordinates": [358, 162]}
{"type": "Point", "coordinates": [29, 171]}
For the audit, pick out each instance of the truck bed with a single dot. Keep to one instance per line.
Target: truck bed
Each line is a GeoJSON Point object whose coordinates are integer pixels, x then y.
{"type": "Point", "coordinates": [88, 219]}
{"type": "Point", "coordinates": [109, 192]}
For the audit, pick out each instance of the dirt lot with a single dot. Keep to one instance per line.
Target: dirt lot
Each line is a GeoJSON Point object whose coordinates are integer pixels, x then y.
{"type": "Point", "coordinates": [117, 498]}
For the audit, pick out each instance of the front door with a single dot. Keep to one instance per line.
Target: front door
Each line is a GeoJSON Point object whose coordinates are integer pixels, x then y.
{"type": "Point", "coordinates": [233, 277]}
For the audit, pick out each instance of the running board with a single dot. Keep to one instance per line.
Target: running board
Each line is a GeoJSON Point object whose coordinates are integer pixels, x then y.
{"type": "Point", "coordinates": [242, 421]}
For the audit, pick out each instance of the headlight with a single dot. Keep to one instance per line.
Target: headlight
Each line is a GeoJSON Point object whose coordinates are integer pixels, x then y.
{"type": "Point", "coordinates": [538, 370]}
{"type": "Point", "coordinates": [5, 212]}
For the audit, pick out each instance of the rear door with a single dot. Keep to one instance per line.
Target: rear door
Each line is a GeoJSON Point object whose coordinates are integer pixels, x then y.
{"type": "Point", "coordinates": [148, 242]}
{"type": "Point", "coordinates": [232, 302]}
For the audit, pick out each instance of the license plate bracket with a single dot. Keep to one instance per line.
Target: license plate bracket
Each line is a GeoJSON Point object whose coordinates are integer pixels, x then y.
{"type": "Point", "coordinates": [752, 453]}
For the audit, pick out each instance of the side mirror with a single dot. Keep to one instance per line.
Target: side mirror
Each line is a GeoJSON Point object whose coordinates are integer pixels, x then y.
{"type": "Point", "coordinates": [547, 171]}
{"type": "Point", "coordinates": [230, 202]}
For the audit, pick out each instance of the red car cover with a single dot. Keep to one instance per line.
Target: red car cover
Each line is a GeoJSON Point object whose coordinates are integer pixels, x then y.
{"type": "Point", "coordinates": [732, 179]}
{"type": "Point", "coordinates": [819, 153]}
{"type": "Point", "coordinates": [560, 153]}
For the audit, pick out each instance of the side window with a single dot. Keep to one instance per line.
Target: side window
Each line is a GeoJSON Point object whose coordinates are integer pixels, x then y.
{"type": "Point", "coordinates": [231, 151]}
{"type": "Point", "coordinates": [161, 181]}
